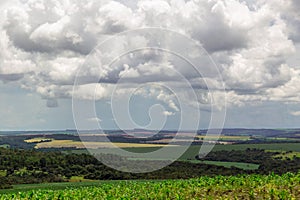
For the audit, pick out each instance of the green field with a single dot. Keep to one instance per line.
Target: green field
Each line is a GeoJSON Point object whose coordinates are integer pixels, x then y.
{"type": "Point", "coordinates": [241, 165]}
{"type": "Point", "coordinates": [225, 137]}
{"type": "Point", "coordinates": [50, 186]}
{"type": "Point", "coordinates": [272, 186]}
{"type": "Point", "coordinates": [287, 155]}
{"type": "Point", "coordinates": [4, 146]}
{"type": "Point", "coordinates": [283, 139]}
{"type": "Point", "coordinates": [193, 150]}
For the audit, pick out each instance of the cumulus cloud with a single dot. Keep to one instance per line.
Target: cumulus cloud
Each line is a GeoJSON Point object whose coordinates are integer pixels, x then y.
{"type": "Point", "coordinates": [43, 43]}
{"type": "Point", "coordinates": [167, 113]}
{"type": "Point", "coordinates": [161, 94]}
{"type": "Point", "coordinates": [295, 113]}
{"type": "Point", "coordinates": [92, 91]}
{"type": "Point", "coordinates": [94, 119]}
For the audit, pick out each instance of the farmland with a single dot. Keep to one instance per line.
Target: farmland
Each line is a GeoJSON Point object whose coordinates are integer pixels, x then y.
{"type": "Point", "coordinates": [58, 166]}
{"type": "Point", "coordinates": [194, 149]}
{"type": "Point", "coordinates": [286, 186]}
{"type": "Point", "coordinates": [241, 165]}
{"type": "Point", "coordinates": [91, 145]}
{"type": "Point", "coordinates": [225, 137]}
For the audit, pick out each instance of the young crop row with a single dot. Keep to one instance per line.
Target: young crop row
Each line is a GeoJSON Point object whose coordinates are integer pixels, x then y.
{"type": "Point", "coordinates": [272, 186]}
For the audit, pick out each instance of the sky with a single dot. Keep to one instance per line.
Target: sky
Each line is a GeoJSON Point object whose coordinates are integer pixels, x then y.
{"type": "Point", "coordinates": [161, 64]}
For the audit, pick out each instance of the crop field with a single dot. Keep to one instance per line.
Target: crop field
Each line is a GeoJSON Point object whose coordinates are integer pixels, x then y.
{"type": "Point", "coordinates": [90, 145]}
{"type": "Point", "coordinates": [273, 146]}
{"type": "Point", "coordinates": [225, 137]}
{"type": "Point", "coordinates": [241, 165]}
{"type": "Point", "coordinates": [37, 140]}
{"type": "Point", "coordinates": [283, 139]}
{"type": "Point", "coordinates": [286, 186]}
{"type": "Point", "coordinates": [193, 150]}
{"type": "Point", "coordinates": [55, 186]}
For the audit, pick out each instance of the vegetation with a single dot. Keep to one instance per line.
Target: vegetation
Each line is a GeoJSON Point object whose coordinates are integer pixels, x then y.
{"type": "Point", "coordinates": [268, 169]}
{"type": "Point", "coordinates": [287, 155]}
{"type": "Point", "coordinates": [241, 165]}
{"type": "Point", "coordinates": [38, 140]}
{"type": "Point", "coordinates": [225, 137]}
{"type": "Point", "coordinates": [30, 166]}
{"type": "Point", "coordinates": [194, 149]}
{"type": "Point", "coordinates": [53, 186]}
{"type": "Point", "coordinates": [89, 144]}
{"type": "Point", "coordinates": [286, 186]}
{"type": "Point", "coordinates": [268, 161]}
{"type": "Point", "coordinates": [26, 140]}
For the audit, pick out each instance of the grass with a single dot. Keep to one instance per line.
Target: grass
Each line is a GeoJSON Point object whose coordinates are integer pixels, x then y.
{"type": "Point", "coordinates": [241, 165]}
{"type": "Point", "coordinates": [283, 139]}
{"type": "Point", "coordinates": [75, 179]}
{"type": "Point", "coordinates": [225, 138]}
{"type": "Point", "coordinates": [285, 155]}
{"type": "Point", "coordinates": [273, 146]}
{"type": "Point", "coordinates": [194, 149]}
{"type": "Point", "coordinates": [271, 186]}
{"type": "Point", "coordinates": [64, 185]}
{"type": "Point", "coordinates": [4, 146]}
{"type": "Point", "coordinates": [50, 186]}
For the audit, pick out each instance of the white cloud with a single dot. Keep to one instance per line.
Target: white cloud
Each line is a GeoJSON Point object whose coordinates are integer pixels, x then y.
{"type": "Point", "coordinates": [114, 17]}
{"type": "Point", "coordinates": [288, 92]}
{"type": "Point", "coordinates": [129, 72]}
{"type": "Point", "coordinates": [94, 119]}
{"type": "Point", "coordinates": [92, 91]}
{"type": "Point", "coordinates": [43, 44]}
{"type": "Point", "coordinates": [167, 113]}
{"type": "Point", "coordinates": [295, 113]}
{"type": "Point", "coordinates": [50, 33]}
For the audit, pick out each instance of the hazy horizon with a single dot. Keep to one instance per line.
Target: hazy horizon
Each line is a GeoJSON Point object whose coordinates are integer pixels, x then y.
{"type": "Point", "coordinates": [73, 130]}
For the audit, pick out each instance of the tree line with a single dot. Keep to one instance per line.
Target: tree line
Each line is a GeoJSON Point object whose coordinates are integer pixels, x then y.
{"type": "Point", "coordinates": [31, 166]}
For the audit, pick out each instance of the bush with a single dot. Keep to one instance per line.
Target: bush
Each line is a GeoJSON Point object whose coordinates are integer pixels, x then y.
{"type": "Point", "coordinates": [4, 184]}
